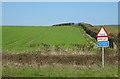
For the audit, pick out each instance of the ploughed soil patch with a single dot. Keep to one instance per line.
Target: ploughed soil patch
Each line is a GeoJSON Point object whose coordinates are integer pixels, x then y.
{"type": "Point", "coordinates": [40, 59]}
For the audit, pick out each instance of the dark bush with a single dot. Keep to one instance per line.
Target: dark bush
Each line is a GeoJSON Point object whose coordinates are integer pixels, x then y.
{"type": "Point", "coordinates": [64, 24]}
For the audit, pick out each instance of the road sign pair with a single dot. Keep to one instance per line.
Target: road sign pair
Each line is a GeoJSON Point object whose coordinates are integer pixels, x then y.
{"type": "Point", "coordinates": [102, 37]}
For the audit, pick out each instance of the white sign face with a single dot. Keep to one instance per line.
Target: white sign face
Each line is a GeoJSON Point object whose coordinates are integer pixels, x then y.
{"type": "Point", "coordinates": [102, 38]}
{"type": "Point", "coordinates": [102, 32]}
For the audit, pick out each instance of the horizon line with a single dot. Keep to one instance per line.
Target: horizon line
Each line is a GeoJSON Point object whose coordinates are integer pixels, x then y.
{"type": "Point", "coordinates": [51, 25]}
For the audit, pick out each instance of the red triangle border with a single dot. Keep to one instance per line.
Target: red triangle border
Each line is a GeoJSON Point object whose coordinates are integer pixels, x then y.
{"type": "Point", "coordinates": [99, 31]}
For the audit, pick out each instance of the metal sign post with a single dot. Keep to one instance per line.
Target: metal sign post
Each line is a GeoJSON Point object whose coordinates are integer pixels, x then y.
{"type": "Point", "coordinates": [103, 57]}
{"type": "Point", "coordinates": [102, 37]}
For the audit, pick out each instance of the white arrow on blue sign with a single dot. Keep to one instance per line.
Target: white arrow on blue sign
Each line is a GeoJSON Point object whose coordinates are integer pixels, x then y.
{"type": "Point", "coordinates": [103, 43]}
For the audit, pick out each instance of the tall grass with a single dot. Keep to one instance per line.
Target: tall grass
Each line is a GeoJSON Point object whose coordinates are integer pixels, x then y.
{"type": "Point", "coordinates": [60, 71]}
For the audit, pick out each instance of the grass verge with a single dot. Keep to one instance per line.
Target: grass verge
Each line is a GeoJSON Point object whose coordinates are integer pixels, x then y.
{"type": "Point", "coordinates": [60, 71]}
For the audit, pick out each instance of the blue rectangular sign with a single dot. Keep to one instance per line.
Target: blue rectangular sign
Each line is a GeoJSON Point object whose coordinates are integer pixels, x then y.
{"type": "Point", "coordinates": [103, 43]}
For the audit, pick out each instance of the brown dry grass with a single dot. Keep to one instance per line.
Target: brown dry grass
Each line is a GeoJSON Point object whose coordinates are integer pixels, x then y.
{"type": "Point", "coordinates": [39, 59]}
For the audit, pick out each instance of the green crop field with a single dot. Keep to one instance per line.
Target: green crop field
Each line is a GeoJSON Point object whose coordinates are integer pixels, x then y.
{"type": "Point", "coordinates": [28, 38]}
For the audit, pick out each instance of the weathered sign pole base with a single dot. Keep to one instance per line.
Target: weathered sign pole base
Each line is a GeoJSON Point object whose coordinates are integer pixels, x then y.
{"type": "Point", "coordinates": [103, 57]}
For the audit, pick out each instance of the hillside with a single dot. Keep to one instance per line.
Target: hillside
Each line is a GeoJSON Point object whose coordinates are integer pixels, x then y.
{"type": "Point", "coordinates": [64, 51]}
{"type": "Point", "coordinates": [34, 38]}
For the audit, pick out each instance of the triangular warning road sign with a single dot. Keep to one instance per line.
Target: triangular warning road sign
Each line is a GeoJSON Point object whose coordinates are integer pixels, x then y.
{"type": "Point", "coordinates": [102, 32]}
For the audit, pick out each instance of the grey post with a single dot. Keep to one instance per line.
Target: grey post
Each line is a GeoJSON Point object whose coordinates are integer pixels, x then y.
{"type": "Point", "coordinates": [103, 57]}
